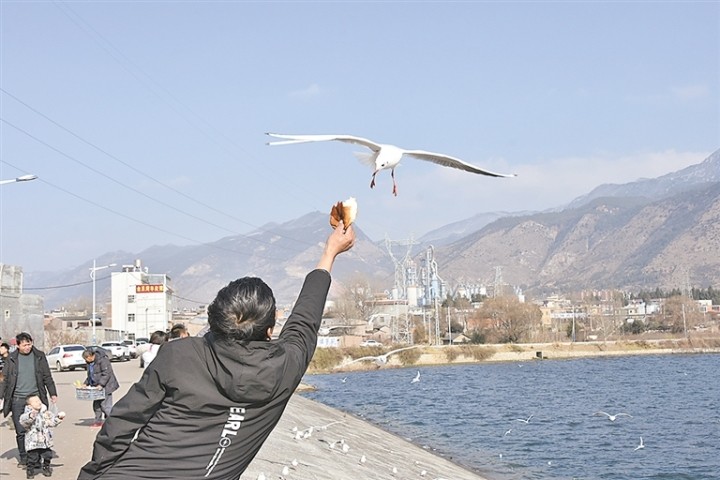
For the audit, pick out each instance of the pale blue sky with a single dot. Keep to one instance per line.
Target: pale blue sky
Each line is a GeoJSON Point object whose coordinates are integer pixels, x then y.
{"type": "Point", "coordinates": [172, 99]}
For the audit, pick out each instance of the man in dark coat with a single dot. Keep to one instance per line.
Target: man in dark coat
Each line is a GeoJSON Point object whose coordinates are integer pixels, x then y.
{"type": "Point", "coordinates": [26, 373]}
{"type": "Point", "coordinates": [100, 374]}
{"type": "Point", "coordinates": [205, 405]}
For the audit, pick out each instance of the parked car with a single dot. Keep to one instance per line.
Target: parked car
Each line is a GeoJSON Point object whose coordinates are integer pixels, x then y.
{"type": "Point", "coordinates": [132, 347]}
{"type": "Point", "coordinates": [116, 350]}
{"type": "Point", "coordinates": [66, 357]}
{"type": "Point", "coordinates": [371, 343]}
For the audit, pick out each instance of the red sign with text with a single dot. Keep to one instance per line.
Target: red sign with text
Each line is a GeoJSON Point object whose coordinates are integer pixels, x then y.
{"type": "Point", "coordinates": [149, 288]}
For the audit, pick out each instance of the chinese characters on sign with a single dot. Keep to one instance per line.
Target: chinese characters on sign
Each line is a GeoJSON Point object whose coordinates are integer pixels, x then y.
{"type": "Point", "coordinates": [149, 288]}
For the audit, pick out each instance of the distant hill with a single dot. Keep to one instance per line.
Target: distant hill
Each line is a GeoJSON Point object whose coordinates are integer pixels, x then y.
{"type": "Point", "coordinates": [662, 187]}
{"type": "Point", "coordinates": [611, 242]}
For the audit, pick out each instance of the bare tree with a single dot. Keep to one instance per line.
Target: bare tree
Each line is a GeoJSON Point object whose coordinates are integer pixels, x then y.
{"type": "Point", "coordinates": [511, 319]}
{"type": "Point", "coordinates": [356, 302]}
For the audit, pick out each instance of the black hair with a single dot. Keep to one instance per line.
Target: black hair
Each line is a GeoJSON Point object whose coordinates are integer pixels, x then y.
{"type": "Point", "coordinates": [23, 337]}
{"type": "Point", "coordinates": [6, 345]}
{"type": "Point", "coordinates": [158, 337]}
{"type": "Point", "coordinates": [177, 330]}
{"type": "Point", "coordinates": [243, 310]}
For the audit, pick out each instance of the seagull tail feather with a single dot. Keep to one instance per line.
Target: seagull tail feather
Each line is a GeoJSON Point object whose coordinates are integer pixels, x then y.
{"type": "Point", "coordinates": [366, 158]}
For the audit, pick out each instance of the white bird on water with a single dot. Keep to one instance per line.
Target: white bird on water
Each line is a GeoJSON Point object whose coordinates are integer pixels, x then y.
{"type": "Point", "coordinates": [612, 418]}
{"type": "Point", "coordinates": [385, 156]}
{"type": "Point", "coordinates": [417, 378]}
{"type": "Point", "coordinates": [642, 445]}
{"type": "Point", "coordinates": [380, 360]}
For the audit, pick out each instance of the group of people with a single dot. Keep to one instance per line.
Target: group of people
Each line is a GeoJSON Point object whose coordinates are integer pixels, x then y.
{"type": "Point", "coordinates": [203, 407]}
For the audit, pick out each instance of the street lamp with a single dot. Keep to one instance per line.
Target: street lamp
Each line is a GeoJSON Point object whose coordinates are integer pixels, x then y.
{"type": "Point", "coordinates": [94, 269]}
{"type": "Point", "coordinates": [22, 178]}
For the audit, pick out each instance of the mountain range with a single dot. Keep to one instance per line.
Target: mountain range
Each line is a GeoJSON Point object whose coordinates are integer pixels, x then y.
{"type": "Point", "coordinates": [662, 232]}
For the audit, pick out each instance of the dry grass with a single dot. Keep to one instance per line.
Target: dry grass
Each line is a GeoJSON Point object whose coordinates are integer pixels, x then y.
{"type": "Point", "coordinates": [477, 352]}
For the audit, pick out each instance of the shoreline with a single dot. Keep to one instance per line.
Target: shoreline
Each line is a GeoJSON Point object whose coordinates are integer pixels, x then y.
{"type": "Point", "coordinates": [493, 353]}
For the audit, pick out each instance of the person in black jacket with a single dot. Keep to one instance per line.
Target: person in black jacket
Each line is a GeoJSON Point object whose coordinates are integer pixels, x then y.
{"type": "Point", "coordinates": [205, 405]}
{"type": "Point", "coordinates": [100, 374]}
{"type": "Point", "coordinates": [26, 373]}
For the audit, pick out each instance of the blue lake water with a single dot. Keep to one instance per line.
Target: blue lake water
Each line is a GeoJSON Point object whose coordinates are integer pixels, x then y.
{"type": "Point", "coordinates": [463, 412]}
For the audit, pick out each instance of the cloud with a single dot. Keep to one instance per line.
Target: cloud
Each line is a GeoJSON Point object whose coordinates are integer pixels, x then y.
{"type": "Point", "coordinates": [313, 90]}
{"type": "Point", "coordinates": [690, 92]}
{"type": "Point", "coordinates": [547, 183]}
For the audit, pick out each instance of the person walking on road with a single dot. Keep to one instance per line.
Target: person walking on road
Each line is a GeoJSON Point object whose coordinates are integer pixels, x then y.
{"type": "Point", "coordinates": [100, 374]}
{"type": "Point", "coordinates": [26, 373]}
{"type": "Point", "coordinates": [205, 405]}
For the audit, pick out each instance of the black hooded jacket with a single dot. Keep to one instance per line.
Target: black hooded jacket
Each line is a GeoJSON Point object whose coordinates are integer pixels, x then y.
{"type": "Point", "coordinates": [205, 405]}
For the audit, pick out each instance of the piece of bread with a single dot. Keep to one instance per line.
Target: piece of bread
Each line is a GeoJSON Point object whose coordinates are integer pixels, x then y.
{"type": "Point", "coordinates": [343, 211]}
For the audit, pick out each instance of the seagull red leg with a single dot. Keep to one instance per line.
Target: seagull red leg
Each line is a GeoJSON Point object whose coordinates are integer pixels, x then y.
{"type": "Point", "coordinates": [392, 174]}
{"type": "Point", "coordinates": [372, 184]}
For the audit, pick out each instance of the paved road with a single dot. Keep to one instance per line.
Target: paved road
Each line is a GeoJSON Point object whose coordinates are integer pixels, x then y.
{"type": "Point", "coordinates": [383, 452]}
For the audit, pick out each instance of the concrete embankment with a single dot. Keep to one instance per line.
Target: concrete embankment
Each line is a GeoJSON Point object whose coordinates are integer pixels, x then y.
{"type": "Point", "coordinates": [386, 455]}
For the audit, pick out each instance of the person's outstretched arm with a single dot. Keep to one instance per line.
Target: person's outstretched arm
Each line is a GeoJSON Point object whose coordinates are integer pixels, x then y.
{"type": "Point", "coordinates": [340, 240]}
{"type": "Point", "coordinates": [300, 331]}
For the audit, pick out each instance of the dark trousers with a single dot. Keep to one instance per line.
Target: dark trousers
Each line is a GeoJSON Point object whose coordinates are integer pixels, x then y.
{"type": "Point", "coordinates": [34, 456]}
{"type": "Point", "coordinates": [102, 406]}
{"type": "Point", "coordinates": [18, 407]}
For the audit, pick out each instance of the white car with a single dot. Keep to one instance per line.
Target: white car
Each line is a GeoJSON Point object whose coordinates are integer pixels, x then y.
{"type": "Point", "coordinates": [371, 343]}
{"type": "Point", "coordinates": [66, 357]}
{"type": "Point", "coordinates": [132, 347]}
{"type": "Point", "coordinates": [116, 350]}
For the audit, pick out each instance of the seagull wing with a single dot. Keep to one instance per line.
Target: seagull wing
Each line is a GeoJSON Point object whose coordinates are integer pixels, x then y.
{"type": "Point", "coordinates": [448, 161]}
{"type": "Point", "coordinates": [602, 413]}
{"type": "Point", "coordinates": [361, 359]}
{"type": "Point", "coordinates": [290, 139]}
{"type": "Point", "coordinates": [399, 350]}
{"type": "Point", "coordinates": [622, 414]}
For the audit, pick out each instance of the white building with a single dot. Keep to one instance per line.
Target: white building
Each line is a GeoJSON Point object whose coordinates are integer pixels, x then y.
{"type": "Point", "coordinates": [141, 301]}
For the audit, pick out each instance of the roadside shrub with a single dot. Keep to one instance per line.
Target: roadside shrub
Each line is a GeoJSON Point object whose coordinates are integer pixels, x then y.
{"type": "Point", "coordinates": [325, 359]}
{"type": "Point", "coordinates": [477, 353]}
{"type": "Point", "coordinates": [515, 348]}
{"type": "Point", "coordinates": [452, 353]}
{"type": "Point", "coordinates": [409, 357]}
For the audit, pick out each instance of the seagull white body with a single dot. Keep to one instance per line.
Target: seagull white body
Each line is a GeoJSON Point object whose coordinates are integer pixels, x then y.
{"type": "Point", "coordinates": [417, 378]}
{"type": "Point", "coordinates": [642, 445]}
{"type": "Point", "coordinates": [523, 420]}
{"type": "Point", "coordinates": [385, 156]}
{"type": "Point", "coordinates": [612, 418]}
{"type": "Point", "coordinates": [380, 360]}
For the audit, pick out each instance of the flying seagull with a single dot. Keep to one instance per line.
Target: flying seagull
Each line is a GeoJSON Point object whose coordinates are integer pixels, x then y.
{"type": "Point", "coordinates": [417, 378]}
{"type": "Point", "coordinates": [380, 360]}
{"type": "Point", "coordinates": [385, 156]}
{"type": "Point", "coordinates": [523, 420]}
{"type": "Point", "coordinates": [612, 418]}
{"type": "Point", "coordinates": [642, 445]}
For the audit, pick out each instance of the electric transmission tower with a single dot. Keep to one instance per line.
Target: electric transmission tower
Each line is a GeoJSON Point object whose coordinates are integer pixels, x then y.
{"type": "Point", "coordinates": [498, 281]}
{"type": "Point", "coordinates": [401, 331]}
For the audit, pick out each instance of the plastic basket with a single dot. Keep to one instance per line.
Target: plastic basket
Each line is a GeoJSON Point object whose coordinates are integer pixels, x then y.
{"type": "Point", "coordinates": [90, 393]}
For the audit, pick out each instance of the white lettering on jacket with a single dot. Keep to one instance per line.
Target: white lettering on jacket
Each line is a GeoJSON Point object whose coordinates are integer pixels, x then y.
{"type": "Point", "coordinates": [236, 416]}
